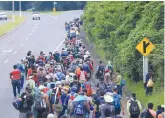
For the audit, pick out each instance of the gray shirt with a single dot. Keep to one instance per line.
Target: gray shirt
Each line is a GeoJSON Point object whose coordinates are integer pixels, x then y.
{"type": "Point", "coordinates": [107, 106]}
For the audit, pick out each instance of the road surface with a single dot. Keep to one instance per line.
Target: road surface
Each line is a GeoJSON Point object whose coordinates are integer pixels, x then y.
{"type": "Point", "coordinates": [46, 35]}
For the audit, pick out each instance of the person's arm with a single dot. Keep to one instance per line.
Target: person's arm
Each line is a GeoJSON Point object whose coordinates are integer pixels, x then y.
{"type": "Point", "coordinates": [46, 97]}
{"type": "Point", "coordinates": [128, 106]}
{"type": "Point", "coordinates": [87, 107]}
{"type": "Point", "coordinates": [122, 107]}
{"type": "Point", "coordinates": [10, 75]}
{"type": "Point", "coordinates": [140, 106]}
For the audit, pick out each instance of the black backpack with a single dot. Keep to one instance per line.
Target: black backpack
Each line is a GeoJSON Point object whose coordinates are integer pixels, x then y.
{"type": "Point", "coordinates": [134, 108]}
{"type": "Point", "coordinates": [100, 71]}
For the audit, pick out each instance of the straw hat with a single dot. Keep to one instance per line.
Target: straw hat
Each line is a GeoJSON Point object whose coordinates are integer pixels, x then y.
{"type": "Point", "coordinates": [108, 98]}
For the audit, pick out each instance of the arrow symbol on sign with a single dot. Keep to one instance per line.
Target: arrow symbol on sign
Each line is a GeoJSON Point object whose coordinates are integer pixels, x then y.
{"type": "Point", "coordinates": [145, 46]}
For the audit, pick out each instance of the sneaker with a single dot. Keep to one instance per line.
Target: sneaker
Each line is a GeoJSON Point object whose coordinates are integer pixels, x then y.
{"type": "Point", "coordinates": [15, 105]}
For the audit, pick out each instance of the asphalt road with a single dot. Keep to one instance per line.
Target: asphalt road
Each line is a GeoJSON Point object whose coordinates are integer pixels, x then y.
{"type": "Point", "coordinates": [46, 35]}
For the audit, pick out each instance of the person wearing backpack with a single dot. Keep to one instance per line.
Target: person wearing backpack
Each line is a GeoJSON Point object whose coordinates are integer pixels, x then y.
{"type": "Point", "coordinates": [162, 115]}
{"type": "Point", "coordinates": [100, 71]}
{"type": "Point", "coordinates": [41, 101]}
{"type": "Point", "coordinates": [134, 107]}
{"type": "Point", "coordinates": [117, 102]}
{"type": "Point", "coordinates": [159, 110]}
{"type": "Point", "coordinates": [149, 113]}
{"type": "Point", "coordinates": [107, 109]}
{"type": "Point", "coordinates": [88, 87]}
{"type": "Point", "coordinates": [26, 102]}
{"type": "Point", "coordinates": [69, 99]}
{"type": "Point", "coordinates": [80, 108]}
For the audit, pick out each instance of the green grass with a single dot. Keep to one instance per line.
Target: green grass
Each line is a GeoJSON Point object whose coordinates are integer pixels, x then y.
{"type": "Point", "coordinates": [157, 97]}
{"type": "Point", "coordinates": [158, 94]}
{"type": "Point", "coordinates": [10, 25]}
{"type": "Point", "coordinates": [56, 13]}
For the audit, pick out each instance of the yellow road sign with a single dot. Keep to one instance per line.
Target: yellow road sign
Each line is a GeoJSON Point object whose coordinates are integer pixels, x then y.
{"type": "Point", "coordinates": [145, 47]}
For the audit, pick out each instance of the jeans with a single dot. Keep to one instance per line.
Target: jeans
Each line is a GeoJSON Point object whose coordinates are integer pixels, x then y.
{"type": "Point", "coordinates": [16, 86]}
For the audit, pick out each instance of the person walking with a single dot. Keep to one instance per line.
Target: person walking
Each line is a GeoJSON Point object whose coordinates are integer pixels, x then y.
{"type": "Point", "coordinates": [134, 107]}
{"type": "Point", "coordinates": [149, 83]}
{"type": "Point", "coordinates": [150, 113]}
{"type": "Point", "coordinates": [162, 115]}
{"type": "Point", "coordinates": [107, 109]}
{"type": "Point", "coordinates": [15, 77]}
{"type": "Point", "coordinates": [118, 82]}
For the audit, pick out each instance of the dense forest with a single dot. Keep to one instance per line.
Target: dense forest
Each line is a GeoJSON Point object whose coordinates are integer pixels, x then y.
{"type": "Point", "coordinates": [43, 5]}
{"type": "Point", "coordinates": [117, 27]}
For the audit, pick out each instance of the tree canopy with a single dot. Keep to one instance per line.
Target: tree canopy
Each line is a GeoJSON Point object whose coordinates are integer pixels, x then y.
{"type": "Point", "coordinates": [43, 5]}
{"type": "Point", "coordinates": [119, 26]}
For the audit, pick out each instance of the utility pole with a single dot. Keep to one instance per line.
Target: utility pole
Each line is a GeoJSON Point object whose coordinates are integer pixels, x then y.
{"type": "Point", "coordinates": [13, 10]}
{"type": "Point", "coordinates": [20, 14]}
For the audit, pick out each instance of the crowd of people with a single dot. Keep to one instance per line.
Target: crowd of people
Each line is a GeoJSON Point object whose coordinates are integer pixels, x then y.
{"type": "Point", "coordinates": [58, 85]}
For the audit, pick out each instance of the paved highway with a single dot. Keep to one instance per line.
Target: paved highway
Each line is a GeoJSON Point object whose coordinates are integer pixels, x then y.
{"type": "Point", "coordinates": [46, 35]}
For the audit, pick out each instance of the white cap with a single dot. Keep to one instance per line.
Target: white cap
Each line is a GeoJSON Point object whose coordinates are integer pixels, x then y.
{"type": "Point", "coordinates": [50, 115]}
{"type": "Point", "coordinates": [108, 98]}
{"type": "Point", "coordinates": [41, 87]}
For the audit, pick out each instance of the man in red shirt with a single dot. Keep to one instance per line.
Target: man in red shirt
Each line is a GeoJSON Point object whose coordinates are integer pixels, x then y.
{"type": "Point", "coordinates": [15, 77]}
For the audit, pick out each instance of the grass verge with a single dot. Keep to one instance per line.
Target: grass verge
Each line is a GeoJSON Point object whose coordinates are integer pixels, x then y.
{"type": "Point", "coordinates": [158, 93]}
{"type": "Point", "coordinates": [4, 28]}
{"type": "Point", "coordinates": [56, 13]}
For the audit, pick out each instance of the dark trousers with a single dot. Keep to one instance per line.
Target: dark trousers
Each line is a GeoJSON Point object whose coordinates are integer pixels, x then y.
{"type": "Point", "coordinates": [16, 86]}
{"type": "Point", "coordinates": [22, 81]}
{"type": "Point", "coordinates": [119, 90]}
{"type": "Point", "coordinates": [149, 90]}
{"type": "Point", "coordinates": [134, 116]}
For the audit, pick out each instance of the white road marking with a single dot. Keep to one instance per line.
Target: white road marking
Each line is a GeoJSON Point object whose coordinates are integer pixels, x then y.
{"type": "Point", "coordinates": [4, 51]}
{"type": "Point", "coordinates": [6, 61]}
{"type": "Point", "coordinates": [59, 44]}
{"type": "Point", "coordinates": [15, 52]}
{"type": "Point", "coordinates": [30, 34]}
{"type": "Point", "coordinates": [21, 45]}
{"type": "Point", "coordinates": [26, 38]}
{"type": "Point", "coordinates": [33, 31]}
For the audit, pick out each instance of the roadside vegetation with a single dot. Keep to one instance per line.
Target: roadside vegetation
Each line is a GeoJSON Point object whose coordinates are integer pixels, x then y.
{"type": "Point", "coordinates": [116, 28]}
{"type": "Point", "coordinates": [4, 28]}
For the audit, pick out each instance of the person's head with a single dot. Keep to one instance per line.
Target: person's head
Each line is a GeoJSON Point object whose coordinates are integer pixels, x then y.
{"type": "Point", "coordinates": [41, 52]}
{"type": "Point", "coordinates": [134, 96]}
{"type": "Point", "coordinates": [50, 53]}
{"type": "Point", "coordinates": [85, 91]}
{"type": "Point", "coordinates": [50, 115]}
{"type": "Point", "coordinates": [107, 112]}
{"type": "Point", "coordinates": [28, 89]}
{"type": "Point", "coordinates": [150, 105]}
{"type": "Point", "coordinates": [159, 107]}
{"type": "Point", "coordinates": [15, 66]}
{"type": "Point", "coordinates": [102, 93]}
{"type": "Point", "coordinates": [81, 68]}
{"type": "Point", "coordinates": [41, 88]}
{"type": "Point", "coordinates": [29, 114]}
{"type": "Point", "coordinates": [75, 77]}
{"type": "Point", "coordinates": [101, 63]}
{"type": "Point", "coordinates": [115, 90]}
{"type": "Point", "coordinates": [74, 89]}
{"type": "Point", "coordinates": [30, 76]}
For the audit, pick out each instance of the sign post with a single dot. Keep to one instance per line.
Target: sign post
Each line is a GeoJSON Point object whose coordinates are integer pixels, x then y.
{"type": "Point", "coordinates": [145, 47]}
{"type": "Point", "coordinates": [54, 9]}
